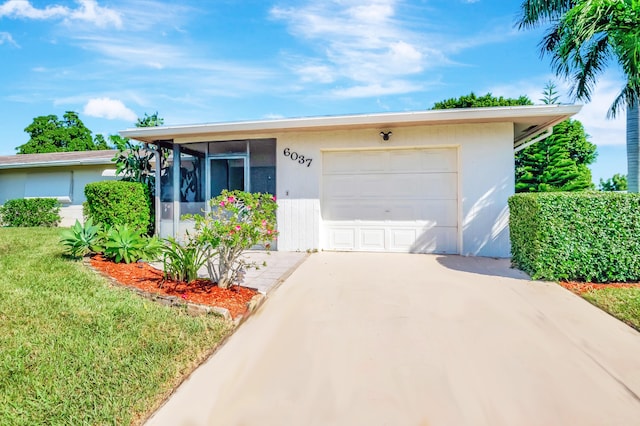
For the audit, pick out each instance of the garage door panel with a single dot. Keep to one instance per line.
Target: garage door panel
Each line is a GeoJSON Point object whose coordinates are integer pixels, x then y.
{"type": "Point", "coordinates": [439, 160]}
{"type": "Point", "coordinates": [342, 238]}
{"type": "Point", "coordinates": [371, 186]}
{"type": "Point", "coordinates": [372, 239]}
{"type": "Point", "coordinates": [408, 161]}
{"type": "Point", "coordinates": [438, 186]}
{"type": "Point", "coordinates": [371, 162]}
{"type": "Point", "coordinates": [339, 162]}
{"type": "Point", "coordinates": [339, 186]}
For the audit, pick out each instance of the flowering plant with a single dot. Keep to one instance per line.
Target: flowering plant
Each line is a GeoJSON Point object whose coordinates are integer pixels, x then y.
{"type": "Point", "coordinates": [236, 222]}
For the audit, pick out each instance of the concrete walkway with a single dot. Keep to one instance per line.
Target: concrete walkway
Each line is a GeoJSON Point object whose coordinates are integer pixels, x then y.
{"type": "Point", "coordinates": [279, 265]}
{"type": "Point", "coordinates": [384, 339]}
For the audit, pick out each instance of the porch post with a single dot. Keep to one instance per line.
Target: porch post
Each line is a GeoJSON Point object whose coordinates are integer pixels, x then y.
{"type": "Point", "coordinates": [156, 196]}
{"type": "Point", "coordinates": [176, 189]}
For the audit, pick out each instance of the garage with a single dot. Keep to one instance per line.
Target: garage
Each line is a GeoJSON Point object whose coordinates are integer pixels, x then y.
{"type": "Point", "coordinates": [396, 200]}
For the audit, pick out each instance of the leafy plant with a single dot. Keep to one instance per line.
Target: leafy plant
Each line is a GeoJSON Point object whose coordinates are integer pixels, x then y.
{"type": "Point", "coordinates": [236, 222]}
{"type": "Point", "coordinates": [125, 244]}
{"type": "Point", "coordinates": [21, 212]}
{"type": "Point", "coordinates": [580, 236]}
{"type": "Point", "coordinates": [117, 203]}
{"type": "Point", "coordinates": [81, 239]}
{"type": "Point", "coordinates": [182, 262]}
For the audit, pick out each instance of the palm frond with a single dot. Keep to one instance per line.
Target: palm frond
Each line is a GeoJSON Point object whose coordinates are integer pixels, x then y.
{"type": "Point", "coordinates": [539, 12]}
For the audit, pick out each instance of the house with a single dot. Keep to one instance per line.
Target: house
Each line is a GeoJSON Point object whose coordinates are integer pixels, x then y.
{"type": "Point", "coordinates": [432, 181]}
{"type": "Point", "coordinates": [60, 175]}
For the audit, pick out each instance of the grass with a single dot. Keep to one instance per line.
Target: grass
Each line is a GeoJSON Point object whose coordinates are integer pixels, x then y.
{"type": "Point", "coordinates": [75, 350]}
{"type": "Point", "coordinates": [622, 303]}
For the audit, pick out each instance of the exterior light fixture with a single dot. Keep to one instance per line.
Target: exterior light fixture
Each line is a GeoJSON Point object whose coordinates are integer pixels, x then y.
{"type": "Point", "coordinates": [385, 135]}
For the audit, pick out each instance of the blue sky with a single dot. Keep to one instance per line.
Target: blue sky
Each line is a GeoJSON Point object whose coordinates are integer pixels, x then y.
{"type": "Point", "coordinates": [230, 60]}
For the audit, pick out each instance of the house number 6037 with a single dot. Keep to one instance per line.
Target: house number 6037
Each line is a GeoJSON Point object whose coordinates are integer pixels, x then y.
{"type": "Point", "coordinates": [297, 157]}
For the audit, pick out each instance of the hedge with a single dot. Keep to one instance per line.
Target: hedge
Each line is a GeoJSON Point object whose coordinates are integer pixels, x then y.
{"type": "Point", "coordinates": [118, 203]}
{"type": "Point", "coordinates": [22, 212]}
{"type": "Point", "coordinates": [578, 236]}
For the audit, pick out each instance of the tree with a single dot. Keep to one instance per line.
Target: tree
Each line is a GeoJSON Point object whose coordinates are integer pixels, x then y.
{"type": "Point", "coordinates": [150, 120]}
{"type": "Point", "coordinates": [616, 183]}
{"type": "Point", "coordinates": [488, 100]}
{"type": "Point", "coordinates": [584, 36]}
{"type": "Point", "coordinates": [558, 163]}
{"type": "Point", "coordinates": [50, 134]}
{"type": "Point", "coordinates": [550, 94]}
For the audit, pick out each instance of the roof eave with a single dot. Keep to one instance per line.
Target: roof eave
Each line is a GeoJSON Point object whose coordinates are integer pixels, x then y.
{"type": "Point", "coordinates": [427, 117]}
{"type": "Point", "coordinates": [55, 164]}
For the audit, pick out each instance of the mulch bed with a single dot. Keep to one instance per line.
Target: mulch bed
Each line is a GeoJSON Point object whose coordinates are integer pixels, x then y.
{"type": "Point", "coordinates": [581, 288]}
{"type": "Point", "coordinates": [147, 278]}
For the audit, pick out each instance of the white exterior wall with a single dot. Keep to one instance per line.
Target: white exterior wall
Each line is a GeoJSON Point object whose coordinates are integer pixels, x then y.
{"type": "Point", "coordinates": [485, 171]}
{"type": "Point", "coordinates": [14, 181]}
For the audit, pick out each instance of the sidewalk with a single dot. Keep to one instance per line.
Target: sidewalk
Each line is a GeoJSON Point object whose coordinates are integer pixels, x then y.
{"type": "Point", "coordinates": [279, 265]}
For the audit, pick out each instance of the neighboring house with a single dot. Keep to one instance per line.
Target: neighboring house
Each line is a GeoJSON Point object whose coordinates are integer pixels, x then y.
{"type": "Point", "coordinates": [426, 181]}
{"type": "Point", "coordinates": [59, 175]}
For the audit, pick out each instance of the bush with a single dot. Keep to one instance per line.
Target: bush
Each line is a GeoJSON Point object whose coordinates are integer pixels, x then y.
{"type": "Point", "coordinates": [237, 221]}
{"type": "Point", "coordinates": [30, 212]}
{"type": "Point", "coordinates": [118, 203]}
{"type": "Point", "coordinates": [586, 236]}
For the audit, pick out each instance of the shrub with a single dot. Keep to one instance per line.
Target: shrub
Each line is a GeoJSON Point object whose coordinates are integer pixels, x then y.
{"type": "Point", "coordinates": [23, 212]}
{"type": "Point", "coordinates": [118, 203]}
{"type": "Point", "coordinates": [81, 239]}
{"type": "Point", "coordinates": [587, 236]}
{"type": "Point", "coordinates": [122, 243]}
{"type": "Point", "coordinates": [182, 261]}
{"type": "Point", "coordinates": [237, 221]}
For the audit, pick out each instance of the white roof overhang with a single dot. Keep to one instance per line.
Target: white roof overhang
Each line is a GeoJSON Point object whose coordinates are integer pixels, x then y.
{"type": "Point", "coordinates": [528, 121]}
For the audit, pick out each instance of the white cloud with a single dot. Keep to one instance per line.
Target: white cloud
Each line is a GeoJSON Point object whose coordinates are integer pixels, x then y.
{"type": "Point", "coordinates": [24, 9]}
{"type": "Point", "coordinates": [87, 11]}
{"type": "Point", "coordinates": [375, 89]}
{"type": "Point", "coordinates": [7, 38]}
{"type": "Point", "coordinates": [108, 108]}
{"type": "Point", "coordinates": [358, 40]}
{"type": "Point", "coordinates": [90, 11]}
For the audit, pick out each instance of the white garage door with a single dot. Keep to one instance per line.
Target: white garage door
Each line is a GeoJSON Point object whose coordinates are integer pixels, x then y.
{"type": "Point", "coordinates": [391, 200]}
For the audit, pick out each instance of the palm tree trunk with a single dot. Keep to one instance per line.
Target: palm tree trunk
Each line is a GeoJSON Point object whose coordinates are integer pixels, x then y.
{"type": "Point", "coordinates": [633, 148]}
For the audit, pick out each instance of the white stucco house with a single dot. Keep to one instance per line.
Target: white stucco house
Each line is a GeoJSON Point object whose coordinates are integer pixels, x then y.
{"type": "Point", "coordinates": [432, 181]}
{"type": "Point", "coordinates": [59, 175]}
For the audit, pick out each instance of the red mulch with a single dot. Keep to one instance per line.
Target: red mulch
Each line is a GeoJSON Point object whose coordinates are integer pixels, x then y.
{"type": "Point", "coordinates": [581, 288]}
{"type": "Point", "coordinates": [147, 278]}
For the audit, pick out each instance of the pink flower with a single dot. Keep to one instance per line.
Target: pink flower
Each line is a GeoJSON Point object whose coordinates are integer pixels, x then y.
{"type": "Point", "coordinates": [222, 204]}
{"type": "Point", "coordinates": [273, 198]}
{"type": "Point", "coordinates": [231, 199]}
{"type": "Point", "coordinates": [269, 232]}
{"type": "Point", "coordinates": [184, 296]}
{"type": "Point", "coordinates": [238, 227]}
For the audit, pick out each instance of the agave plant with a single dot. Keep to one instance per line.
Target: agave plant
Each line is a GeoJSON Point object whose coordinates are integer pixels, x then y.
{"type": "Point", "coordinates": [124, 244]}
{"type": "Point", "coordinates": [82, 240]}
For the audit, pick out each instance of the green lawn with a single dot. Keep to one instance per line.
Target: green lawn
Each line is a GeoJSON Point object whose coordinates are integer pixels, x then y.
{"type": "Point", "coordinates": [622, 303]}
{"type": "Point", "coordinates": [75, 350]}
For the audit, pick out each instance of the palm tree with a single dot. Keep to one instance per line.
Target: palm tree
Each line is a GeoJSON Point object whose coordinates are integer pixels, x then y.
{"type": "Point", "coordinates": [583, 38]}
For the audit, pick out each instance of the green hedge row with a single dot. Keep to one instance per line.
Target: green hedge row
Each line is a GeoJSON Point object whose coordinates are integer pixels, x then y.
{"type": "Point", "coordinates": [118, 203]}
{"type": "Point", "coordinates": [22, 212]}
{"type": "Point", "coordinates": [582, 236]}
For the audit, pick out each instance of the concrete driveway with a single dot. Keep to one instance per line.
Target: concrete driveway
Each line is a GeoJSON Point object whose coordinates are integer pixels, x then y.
{"type": "Point", "coordinates": [397, 339]}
